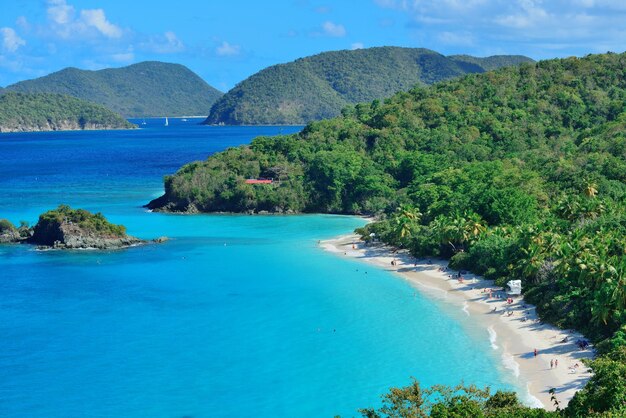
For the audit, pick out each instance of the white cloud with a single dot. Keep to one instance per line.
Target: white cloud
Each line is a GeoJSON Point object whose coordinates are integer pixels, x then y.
{"type": "Point", "coordinates": [531, 27]}
{"type": "Point", "coordinates": [528, 14]}
{"type": "Point", "coordinates": [60, 12]}
{"type": "Point", "coordinates": [97, 19]}
{"type": "Point", "coordinates": [64, 23]}
{"type": "Point", "coordinates": [357, 45]}
{"type": "Point", "coordinates": [11, 41]}
{"type": "Point", "coordinates": [333, 29]}
{"type": "Point", "coordinates": [226, 49]}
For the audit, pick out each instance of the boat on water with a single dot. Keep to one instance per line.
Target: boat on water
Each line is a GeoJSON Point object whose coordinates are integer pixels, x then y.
{"type": "Point", "coordinates": [167, 122]}
{"type": "Point", "coordinates": [184, 120]}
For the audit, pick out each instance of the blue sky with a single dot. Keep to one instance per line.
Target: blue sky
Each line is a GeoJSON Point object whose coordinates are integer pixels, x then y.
{"type": "Point", "coordinates": [226, 41]}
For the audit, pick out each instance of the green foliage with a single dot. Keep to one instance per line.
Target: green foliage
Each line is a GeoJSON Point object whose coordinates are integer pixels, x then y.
{"type": "Point", "coordinates": [320, 86]}
{"type": "Point", "coordinates": [607, 389]}
{"type": "Point", "coordinates": [445, 402]}
{"type": "Point", "coordinates": [42, 111]}
{"type": "Point", "coordinates": [139, 90]}
{"type": "Point", "coordinates": [86, 221]}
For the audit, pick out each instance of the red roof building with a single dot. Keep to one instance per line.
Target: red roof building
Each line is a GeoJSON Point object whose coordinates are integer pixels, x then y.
{"type": "Point", "coordinates": [259, 181]}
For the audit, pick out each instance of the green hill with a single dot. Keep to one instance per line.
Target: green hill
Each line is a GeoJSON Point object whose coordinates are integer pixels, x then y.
{"type": "Point", "coordinates": [519, 173]}
{"type": "Point", "coordinates": [139, 90]}
{"type": "Point", "coordinates": [25, 112]}
{"type": "Point", "coordinates": [319, 86]}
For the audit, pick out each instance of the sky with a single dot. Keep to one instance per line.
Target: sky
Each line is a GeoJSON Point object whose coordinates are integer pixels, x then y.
{"type": "Point", "coordinates": [229, 40]}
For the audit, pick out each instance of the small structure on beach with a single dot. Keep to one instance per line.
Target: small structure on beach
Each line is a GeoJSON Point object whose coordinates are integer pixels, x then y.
{"type": "Point", "coordinates": [515, 287]}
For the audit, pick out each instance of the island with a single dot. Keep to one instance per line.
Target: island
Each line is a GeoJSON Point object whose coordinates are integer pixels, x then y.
{"type": "Point", "coordinates": [512, 174]}
{"type": "Point", "coordinates": [65, 228]}
{"type": "Point", "coordinates": [35, 112]}
{"type": "Point", "coordinates": [145, 89]}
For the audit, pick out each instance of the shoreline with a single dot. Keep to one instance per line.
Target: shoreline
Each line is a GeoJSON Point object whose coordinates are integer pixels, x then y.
{"type": "Point", "coordinates": [514, 337]}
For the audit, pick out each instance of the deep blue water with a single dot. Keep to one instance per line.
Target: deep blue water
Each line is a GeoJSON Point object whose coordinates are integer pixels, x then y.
{"type": "Point", "coordinates": [235, 316]}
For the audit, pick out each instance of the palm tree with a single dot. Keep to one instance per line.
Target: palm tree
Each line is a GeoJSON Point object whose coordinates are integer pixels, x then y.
{"type": "Point", "coordinates": [591, 190]}
{"type": "Point", "coordinates": [406, 218]}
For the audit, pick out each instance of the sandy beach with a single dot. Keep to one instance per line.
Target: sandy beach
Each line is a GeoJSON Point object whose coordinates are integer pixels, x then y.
{"type": "Point", "coordinates": [513, 328]}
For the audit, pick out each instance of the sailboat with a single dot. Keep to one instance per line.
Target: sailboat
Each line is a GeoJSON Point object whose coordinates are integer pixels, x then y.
{"type": "Point", "coordinates": [144, 122]}
{"type": "Point", "coordinates": [167, 122]}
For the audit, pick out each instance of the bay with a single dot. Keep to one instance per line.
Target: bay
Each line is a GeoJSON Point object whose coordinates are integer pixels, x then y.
{"type": "Point", "coordinates": [235, 316]}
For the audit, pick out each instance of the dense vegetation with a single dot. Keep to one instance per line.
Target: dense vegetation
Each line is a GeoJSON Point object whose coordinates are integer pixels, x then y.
{"type": "Point", "coordinates": [45, 112]}
{"type": "Point", "coordinates": [319, 86]}
{"type": "Point", "coordinates": [139, 90]}
{"type": "Point", "coordinates": [459, 402]}
{"type": "Point", "coordinates": [518, 173]}
{"type": "Point", "coordinates": [85, 220]}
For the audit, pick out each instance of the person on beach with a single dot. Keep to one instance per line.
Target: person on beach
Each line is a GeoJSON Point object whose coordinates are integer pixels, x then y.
{"type": "Point", "coordinates": [535, 352]}
{"type": "Point", "coordinates": [556, 363]}
{"type": "Point", "coordinates": [552, 363]}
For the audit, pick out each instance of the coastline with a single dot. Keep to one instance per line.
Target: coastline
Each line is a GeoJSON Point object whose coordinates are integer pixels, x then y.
{"type": "Point", "coordinates": [514, 337]}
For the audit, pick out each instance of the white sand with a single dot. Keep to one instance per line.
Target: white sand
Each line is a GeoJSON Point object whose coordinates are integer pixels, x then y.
{"type": "Point", "coordinates": [513, 337]}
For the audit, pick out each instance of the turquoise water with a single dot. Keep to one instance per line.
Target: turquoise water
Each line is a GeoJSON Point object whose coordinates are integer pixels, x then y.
{"type": "Point", "coordinates": [236, 316]}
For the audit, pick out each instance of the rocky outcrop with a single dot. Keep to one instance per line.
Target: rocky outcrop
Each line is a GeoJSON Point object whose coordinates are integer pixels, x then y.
{"type": "Point", "coordinates": [8, 233]}
{"type": "Point", "coordinates": [67, 228]}
{"type": "Point", "coordinates": [67, 235]}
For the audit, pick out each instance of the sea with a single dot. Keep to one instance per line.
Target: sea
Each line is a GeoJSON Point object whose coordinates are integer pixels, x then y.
{"type": "Point", "coordinates": [234, 316]}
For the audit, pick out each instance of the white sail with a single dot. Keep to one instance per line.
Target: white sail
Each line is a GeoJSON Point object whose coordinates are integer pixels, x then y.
{"type": "Point", "coordinates": [167, 122]}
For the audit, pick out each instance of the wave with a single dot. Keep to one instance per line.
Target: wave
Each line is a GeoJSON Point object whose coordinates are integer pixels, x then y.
{"type": "Point", "coordinates": [510, 363]}
{"type": "Point", "coordinates": [492, 337]}
{"type": "Point", "coordinates": [465, 306]}
{"type": "Point", "coordinates": [530, 400]}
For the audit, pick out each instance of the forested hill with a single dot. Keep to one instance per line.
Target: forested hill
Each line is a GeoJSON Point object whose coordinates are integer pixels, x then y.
{"type": "Point", "coordinates": [139, 90]}
{"type": "Point", "coordinates": [519, 173]}
{"type": "Point", "coordinates": [28, 112]}
{"type": "Point", "coordinates": [319, 86]}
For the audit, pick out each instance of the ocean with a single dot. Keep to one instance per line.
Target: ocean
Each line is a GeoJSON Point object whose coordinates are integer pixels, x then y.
{"type": "Point", "coordinates": [235, 316]}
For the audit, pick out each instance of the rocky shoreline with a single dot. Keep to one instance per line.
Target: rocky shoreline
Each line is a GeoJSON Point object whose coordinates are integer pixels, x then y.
{"type": "Point", "coordinates": [60, 126]}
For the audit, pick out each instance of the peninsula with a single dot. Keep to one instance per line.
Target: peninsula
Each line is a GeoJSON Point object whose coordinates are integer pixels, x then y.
{"type": "Point", "coordinates": [22, 112]}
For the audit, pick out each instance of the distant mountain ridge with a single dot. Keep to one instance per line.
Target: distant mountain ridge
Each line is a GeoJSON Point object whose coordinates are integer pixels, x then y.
{"type": "Point", "coordinates": [319, 86]}
{"type": "Point", "coordinates": [145, 89]}
{"type": "Point", "coordinates": [34, 112]}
